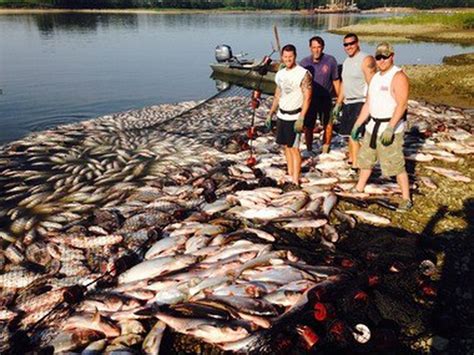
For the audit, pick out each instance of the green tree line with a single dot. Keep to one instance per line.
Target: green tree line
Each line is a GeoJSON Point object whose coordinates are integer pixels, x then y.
{"type": "Point", "coordinates": [216, 4]}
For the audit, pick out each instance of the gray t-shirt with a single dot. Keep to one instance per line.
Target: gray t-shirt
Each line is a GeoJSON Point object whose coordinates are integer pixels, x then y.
{"type": "Point", "coordinates": [353, 79]}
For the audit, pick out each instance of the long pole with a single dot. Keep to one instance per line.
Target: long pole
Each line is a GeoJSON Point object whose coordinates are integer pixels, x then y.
{"type": "Point", "coordinates": [277, 38]}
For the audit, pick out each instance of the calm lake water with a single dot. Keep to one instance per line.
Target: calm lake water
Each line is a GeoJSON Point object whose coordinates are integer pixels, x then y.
{"type": "Point", "coordinates": [59, 68]}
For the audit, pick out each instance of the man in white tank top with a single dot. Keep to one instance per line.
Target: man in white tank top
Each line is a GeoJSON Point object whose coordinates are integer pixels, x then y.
{"type": "Point", "coordinates": [357, 71]}
{"type": "Point", "coordinates": [385, 107]}
{"type": "Point", "coordinates": [292, 99]}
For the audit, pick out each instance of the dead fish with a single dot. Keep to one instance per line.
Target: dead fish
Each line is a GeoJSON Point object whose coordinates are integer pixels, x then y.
{"type": "Point", "coordinates": [156, 267]}
{"type": "Point", "coordinates": [449, 173]}
{"type": "Point", "coordinates": [131, 326]}
{"type": "Point", "coordinates": [152, 342]}
{"type": "Point", "coordinates": [330, 233]}
{"type": "Point", "coordinates": [127, 340]}
{"type": "Point", "coordinates": [345, 218]}
{"type": "Point", "coordinates": [329, 203]}
{"type": "Point", "coordinates": [308, 223]}
{"type": "Point", "coordinates": [7, 315]}
{"type": "Point", "coordinates": [168, 244]}
{"type": "Point", "coordinates": [283, 298]}
{"type": "Point", "coordinates": [93, 322]}
{"type": "Point", "coordinates": [420, 157]}
{"type": "Point", "coordinates": [384, 203]}
{"type": "Point", "coordinates": [83, 242]}
{"type": "Point", "coordinates": [428, 182]}
{"type": "Point", "coordinates": [95, 347]}
{"type": "Point", "coordinates": [247, 305]}
{"type": "Point", "coordinates": [211, 331]}
{"type": "Point", "coordinates": [67, 341]}
{"type": "Point", "coordinates": [17, 278]}
{"type": "Point", "coordinates": [369, 217]}
{"type": "Point", "coordinates": [38, 253]}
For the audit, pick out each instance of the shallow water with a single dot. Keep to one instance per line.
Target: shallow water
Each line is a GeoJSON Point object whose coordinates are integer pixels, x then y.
{"type": "Point", "coordinates": [59, 68]}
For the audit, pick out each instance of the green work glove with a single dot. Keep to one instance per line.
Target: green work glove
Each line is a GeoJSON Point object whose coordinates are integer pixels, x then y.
{"type": "Point", "coordinates": [387, 136]}
{"type": "Point", "coordinates": [355, 133]}
{"type": "Point", "coordinates": [268, 122]}
{"type": "Point", "coordinates": [299, 124]}
{"type": "Point", "coordinates": [335, 111]}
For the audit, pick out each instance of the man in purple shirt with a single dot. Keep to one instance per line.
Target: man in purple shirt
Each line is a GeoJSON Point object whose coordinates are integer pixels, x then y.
{"type": "Point", "coordinates": [326, 84]}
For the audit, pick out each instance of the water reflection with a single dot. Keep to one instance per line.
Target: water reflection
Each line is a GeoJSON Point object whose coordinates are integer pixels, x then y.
{"type": "Point", "coordinates": [59, 68]}
{"type": "Point", "coordinates": [327, 22]}
{"type": "Point", "coordinates": [51, 24]}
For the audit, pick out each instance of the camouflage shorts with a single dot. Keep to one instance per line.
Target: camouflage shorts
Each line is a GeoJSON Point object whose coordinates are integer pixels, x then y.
{"type": "Point", "coordinates": [390, 157]}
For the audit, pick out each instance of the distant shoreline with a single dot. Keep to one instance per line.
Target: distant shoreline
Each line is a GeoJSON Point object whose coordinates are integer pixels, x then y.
{"type": "Point", "coordinates": [382, 10]}
{"type": "Point", "coordinates": [21, 11]}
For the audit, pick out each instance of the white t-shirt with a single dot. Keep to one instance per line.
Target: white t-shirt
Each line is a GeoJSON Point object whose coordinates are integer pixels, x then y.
{"type": "Point", "coordinates": [381, 102]}
{"type": "Point", "coordinates": [291, 97]}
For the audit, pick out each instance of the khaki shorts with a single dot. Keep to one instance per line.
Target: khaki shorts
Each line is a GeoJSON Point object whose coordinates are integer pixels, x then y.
{"type": "Point", "coordinates": [390, 157]}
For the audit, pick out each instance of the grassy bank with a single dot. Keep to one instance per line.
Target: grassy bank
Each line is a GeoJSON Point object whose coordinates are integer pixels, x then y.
{"type": "Point", "coordinates": [458, 21]}
{"type": "Point", "coordinates": [451, 83]}
{"type": "Point", "coordinates": [456, 28]}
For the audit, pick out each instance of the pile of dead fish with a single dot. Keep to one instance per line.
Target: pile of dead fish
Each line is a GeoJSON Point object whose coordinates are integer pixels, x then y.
{"type": "Point", "coordinates": [118, 228]}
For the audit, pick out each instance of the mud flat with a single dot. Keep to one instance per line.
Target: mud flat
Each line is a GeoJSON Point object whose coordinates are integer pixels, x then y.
{"type": "Point", "coordinates": [451, 83]}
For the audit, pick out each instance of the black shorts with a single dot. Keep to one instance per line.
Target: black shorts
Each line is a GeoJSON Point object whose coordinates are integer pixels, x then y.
{"type": "Point", "coordinates": [320, 108]}
{"type": "Point", "coordinates": [286, 134]}
{"type": "Point", "coordinates": [350, 112]}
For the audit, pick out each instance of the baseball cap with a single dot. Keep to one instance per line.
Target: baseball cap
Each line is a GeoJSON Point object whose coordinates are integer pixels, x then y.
{"type": "Point", "coordinates": [384, 48]}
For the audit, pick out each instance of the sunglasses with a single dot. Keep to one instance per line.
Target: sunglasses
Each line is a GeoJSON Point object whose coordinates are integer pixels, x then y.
{"type": "Point", "coordinates": [349, 43]}
{"type": "Point", "coordinates": [381, 56]}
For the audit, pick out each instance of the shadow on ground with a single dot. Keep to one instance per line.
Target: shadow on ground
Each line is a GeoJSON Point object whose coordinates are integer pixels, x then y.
{"type": "Point", "coordinates": [427, 309]}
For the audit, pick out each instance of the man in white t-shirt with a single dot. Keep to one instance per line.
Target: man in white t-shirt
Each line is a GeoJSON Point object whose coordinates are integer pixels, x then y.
{"type": "Point", "coordinates": [292, 99]}
{"type": "Point", "coordinates": [385, 107]}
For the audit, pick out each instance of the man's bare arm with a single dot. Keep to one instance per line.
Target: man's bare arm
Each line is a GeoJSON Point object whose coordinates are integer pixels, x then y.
{"type": "Point", "coordinates": [276, 101]}
{"type": "Point", "coordinates": [364, 113]}
{"type": "Point", "coordinates": [337, 86]}
{"type": "Point", "coordinates": [307, 88]}
{"type": "Point", "coordinates": [400, 89]}
{"type": "Point", "coordinates": [340, 97]}
{"type": "Point", "coordinates": [369, 68]}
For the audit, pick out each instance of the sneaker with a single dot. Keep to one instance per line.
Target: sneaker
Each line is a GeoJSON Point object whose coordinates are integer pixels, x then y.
{"type": "Point", "coordinates": [306, 154]}
{"type": "Point", "coordinates": [405, 206]}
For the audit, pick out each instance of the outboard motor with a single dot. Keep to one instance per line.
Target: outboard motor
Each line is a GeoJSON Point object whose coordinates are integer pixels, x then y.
{"type": "Point", "coordinates": [223, 53]}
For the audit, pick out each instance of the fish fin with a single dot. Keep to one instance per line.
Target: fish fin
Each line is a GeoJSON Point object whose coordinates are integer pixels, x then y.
{"type": "Point", "coordinates": [96, 318]}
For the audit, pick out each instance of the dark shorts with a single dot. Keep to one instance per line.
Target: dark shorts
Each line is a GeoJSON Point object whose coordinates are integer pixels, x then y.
{"type": "Point", "coordinates": [286, 134]}
{"type": "Point", "coordinates": [350, 112]}
{"type": "Point", "coordinates": [320, 108]}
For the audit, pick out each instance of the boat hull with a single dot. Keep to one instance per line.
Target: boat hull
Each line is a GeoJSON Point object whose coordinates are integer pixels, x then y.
{"type": "Point", "coordinates": [245, 73]}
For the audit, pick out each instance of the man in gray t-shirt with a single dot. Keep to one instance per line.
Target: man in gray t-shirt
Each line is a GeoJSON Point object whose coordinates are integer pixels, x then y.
{"type": "Point", "coordinates": [357, 71]}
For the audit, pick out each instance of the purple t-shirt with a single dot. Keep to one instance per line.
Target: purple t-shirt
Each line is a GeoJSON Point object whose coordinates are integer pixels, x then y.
{"type": "Point", "coordinates": [323, 72]}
